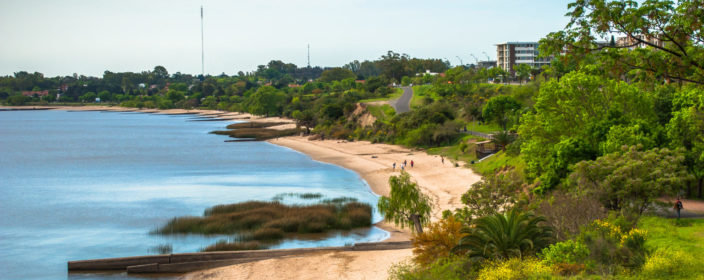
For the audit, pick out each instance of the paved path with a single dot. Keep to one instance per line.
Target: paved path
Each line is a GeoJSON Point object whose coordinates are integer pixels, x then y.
{"type": "Point", "coordinates": [403, 103]}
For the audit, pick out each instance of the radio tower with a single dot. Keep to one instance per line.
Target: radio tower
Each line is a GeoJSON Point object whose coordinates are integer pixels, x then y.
{"type": "Point", "coordinates": [308, 55]}
{"type": "Point", "coordinates": [202, 50]}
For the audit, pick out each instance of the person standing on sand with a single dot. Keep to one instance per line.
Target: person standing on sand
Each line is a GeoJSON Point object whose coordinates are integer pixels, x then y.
{"type": "Point", "coordinates": [393, 167]}
{"type": "Point", "coordinates": [678, 207]}
{"type": "Point", "coordinates": [411, 163]}
{"type": "Point", "coordinates": [443, 160]}
{"type": "Point", "coordinates": [404, 162]}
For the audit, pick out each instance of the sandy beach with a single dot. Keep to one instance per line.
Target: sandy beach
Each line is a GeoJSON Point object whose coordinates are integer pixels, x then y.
{"type": "Point", "coordinates": [444, 183]}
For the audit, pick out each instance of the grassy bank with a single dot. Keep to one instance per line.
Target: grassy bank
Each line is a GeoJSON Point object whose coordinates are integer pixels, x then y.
{"type": "Point", "coordinates": [270, 221]}
{"type": "Point", "coordinates": [259, 134]}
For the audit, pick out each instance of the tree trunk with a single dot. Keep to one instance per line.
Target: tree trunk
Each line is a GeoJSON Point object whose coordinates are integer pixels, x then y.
{"type": "Point", "coordinates": [700, 186]}
{"type": "Point", "coordinates": [416, 222]}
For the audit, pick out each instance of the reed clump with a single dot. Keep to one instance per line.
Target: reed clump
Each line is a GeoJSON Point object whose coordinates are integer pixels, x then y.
{"type": "Point", "coordinates": [258, 134]}
{"type": "Point", "coordinates": [271, 221]}
{"type": "Point", "coordinates": [254, 125]}
{"type": "Point", "coordinates": [223, 245]}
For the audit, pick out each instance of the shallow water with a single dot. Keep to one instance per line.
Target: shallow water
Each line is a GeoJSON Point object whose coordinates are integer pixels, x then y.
{"type": "Point", "coordinates": [84, 185]}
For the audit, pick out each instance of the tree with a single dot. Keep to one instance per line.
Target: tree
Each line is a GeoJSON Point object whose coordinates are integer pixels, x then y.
{"type": "Point", "coordinates": [685, 131]}
{"type": "Point", "coordinates": [632, 180]}
{"type": "Point", "coordinates": [406, 205]}
{"type": "Point", "coordinates": [522, 71]}
{"type": "Point", "coordinates": [88, 97]}
{"type": "Point", "coordinates": [500, 108]}
{"type": "Point", "coordinates": [266, 101]}
{"type": "Point", "coordinates": [495, 193]}
{"type": "Point", "coordinates": [336, 74]}
{"type": "Point", "coordinates": [304, 118]}
{"type": "Point", "coordinates": [503, 236]}
{"type": "Point", "coordinates": [671, 33]}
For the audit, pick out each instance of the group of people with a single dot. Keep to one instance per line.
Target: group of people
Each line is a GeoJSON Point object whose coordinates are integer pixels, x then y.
{"type": "Point", "coordinates": [403, 166]}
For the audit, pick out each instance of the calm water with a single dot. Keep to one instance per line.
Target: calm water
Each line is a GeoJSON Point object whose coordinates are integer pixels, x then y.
{"type": "Point", "coordinates": [83, 185]}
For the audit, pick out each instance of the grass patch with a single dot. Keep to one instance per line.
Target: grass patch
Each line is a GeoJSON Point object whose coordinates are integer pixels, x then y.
{"type": "Point", "coordinates": [383, 113]}
{"type": "Point", "coordinates": [676, 249]}
{"type": "Point", "coordinates": [270, 221]}
{"type": "Point", "coordinates": [454, 152]}
{"type": "Point", "coordinates": [483, 127]}
{"type": "Point", "coordinates": [224, 245]}
{"type": "Point", "coordinates": [254, 125]}
{"type": "Point", "coordinates": [394, 95]}
{"type": "Point", "coordinates": [258, 134]}
{"type": "Point", "coordinates": [498, 161]}
{"type": "Point", "coordinates": [422, 92]}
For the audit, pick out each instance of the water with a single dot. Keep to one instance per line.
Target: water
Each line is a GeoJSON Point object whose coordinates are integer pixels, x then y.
{"type": "Point", "coordinates": [84, 185]}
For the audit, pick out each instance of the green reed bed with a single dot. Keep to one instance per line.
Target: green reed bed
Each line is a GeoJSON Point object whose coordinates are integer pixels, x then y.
{"type": "Point", "coordinates": [270, 221]}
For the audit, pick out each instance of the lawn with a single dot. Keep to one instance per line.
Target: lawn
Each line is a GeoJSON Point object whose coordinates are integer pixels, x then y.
{"type": "Point", "coordinates": [483, 127]}
{"type": "Point", "coordinates": [454, 153]}
{"type": "Point", "coordinates": [383, 113]}
{"type": "Point", "coordinates": [496, 161]}
{"type": "Point", "coordinates": [420, 92]}
{"type": "Point", "coordinates": [676, 250]}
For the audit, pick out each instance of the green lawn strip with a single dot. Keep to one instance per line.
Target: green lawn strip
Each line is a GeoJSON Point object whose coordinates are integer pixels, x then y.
{"type": "Point", "coordinates": [497, 161]}
{"type": "Point", "coordinates": [420, 92]}
{"type": "Point", "coordinates": [484, 127]}
{"type": "Point", "coordinates": [383, 113]}
{"type": "Point", "coordinates": [454, 153]}
{"type": "Point", "coordinates": [676, 251]}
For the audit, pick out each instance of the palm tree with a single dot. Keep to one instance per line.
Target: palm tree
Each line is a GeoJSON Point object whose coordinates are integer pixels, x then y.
{"type": "Point", "coordinates": [502, 236]}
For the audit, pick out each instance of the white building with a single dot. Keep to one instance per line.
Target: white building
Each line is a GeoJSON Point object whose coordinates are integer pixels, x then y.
{"type": "Point", "coordinates": [513, 53]}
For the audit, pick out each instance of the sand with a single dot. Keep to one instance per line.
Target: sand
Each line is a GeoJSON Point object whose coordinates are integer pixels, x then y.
{"type": "Point", "coordinates": [444, 183]}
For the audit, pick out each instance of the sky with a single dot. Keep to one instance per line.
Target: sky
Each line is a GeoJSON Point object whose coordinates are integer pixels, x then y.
{"type": "Point", "coordinates": [88, 37]}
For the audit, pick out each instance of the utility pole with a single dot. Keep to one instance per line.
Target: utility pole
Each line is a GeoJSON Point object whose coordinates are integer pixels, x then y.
{"type": "Point", "coordinates": [308, 55]}
{"type": "Point", "coordinates": [202, 49]}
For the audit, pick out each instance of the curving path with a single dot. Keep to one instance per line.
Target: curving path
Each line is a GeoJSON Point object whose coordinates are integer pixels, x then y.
{"type": "Point", "coordinates": [403, 103]}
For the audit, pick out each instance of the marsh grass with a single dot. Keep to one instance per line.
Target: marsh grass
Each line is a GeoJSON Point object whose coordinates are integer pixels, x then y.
{"type": "Point", "coordinates": [259, 134]}
{"type": "Point", "coordinates": [224, 245]}
{"type": "Point", "coordinates": [254, 125]}
{"type": "Point", "coordinates": [271, 221]}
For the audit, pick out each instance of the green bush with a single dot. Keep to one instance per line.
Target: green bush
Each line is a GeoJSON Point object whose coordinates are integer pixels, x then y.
{"type": "Point", "coordinates": [445, 268]}
{"type": "Point", "coordinates": [516, 268]}
{"type": "Point", "coordinates": [570, 252]}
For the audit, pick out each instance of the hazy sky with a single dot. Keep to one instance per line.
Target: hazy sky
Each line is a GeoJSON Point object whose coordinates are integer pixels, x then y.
{"type": "Point", "coordinates": [91, 36]}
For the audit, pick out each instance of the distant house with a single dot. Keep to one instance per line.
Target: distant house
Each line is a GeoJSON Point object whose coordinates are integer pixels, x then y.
{"type": "Point", "coordinates": [35, 92]}
{"type": "Point", "coordinates": [294, 85]}
{"type": "Point", "coordinates": [359, 81]}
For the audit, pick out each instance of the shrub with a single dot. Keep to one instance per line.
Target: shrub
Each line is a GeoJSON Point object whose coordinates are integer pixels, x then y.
{"type": "Point", "coordinates": [444, 268]}
{"type": "Point", "coordinates": [515, 268]}
{"type": "Point", "coordinates": [566, 252]}
{"type": "Point", "coordinates": [668, 263]}
{"type": "Point", "coordinates": [437, 241]}
{"type": "Point", "coordinates": [612, 246]}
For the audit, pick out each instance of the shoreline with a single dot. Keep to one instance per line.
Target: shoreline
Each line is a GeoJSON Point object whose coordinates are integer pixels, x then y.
{"type": "Point", "coordinates": [441, 181]}
{"type": "Point", "coordinates": [444, 183]}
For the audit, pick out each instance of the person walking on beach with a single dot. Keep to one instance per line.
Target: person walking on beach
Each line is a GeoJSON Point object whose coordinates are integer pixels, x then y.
{"type": "Point", "coordinates": [411, 163]}
{"type": "Point", "coordinates": [394, 167]}
{"type": "Point", "coordinates": [678, 207]}
{"type": "Point", "coordinates": [404, 162]}
{"type": "Point", "coordinates": [443, 160]}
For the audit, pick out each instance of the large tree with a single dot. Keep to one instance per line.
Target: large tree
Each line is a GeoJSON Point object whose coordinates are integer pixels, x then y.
{"type": "Point", "coordinates": [500, 109]}
{"type": "Point", "coordinates": [631, 181]}
{"type": "Point", "coordinates": [406, 205]}
{"type": "Point", "coordinates": [668, 37]}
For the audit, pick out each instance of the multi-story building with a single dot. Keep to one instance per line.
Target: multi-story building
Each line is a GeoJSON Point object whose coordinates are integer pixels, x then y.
{"type": "Point", "coordinates": [632, 43]}
{"type": "Point", "coordinates": [512, 53]}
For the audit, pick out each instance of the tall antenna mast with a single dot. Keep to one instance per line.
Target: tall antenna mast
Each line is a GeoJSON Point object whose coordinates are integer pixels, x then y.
{"type": "Point", "coordinates": [308, 55]}
{"type": "Point", "coordinates": [202, 50]}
